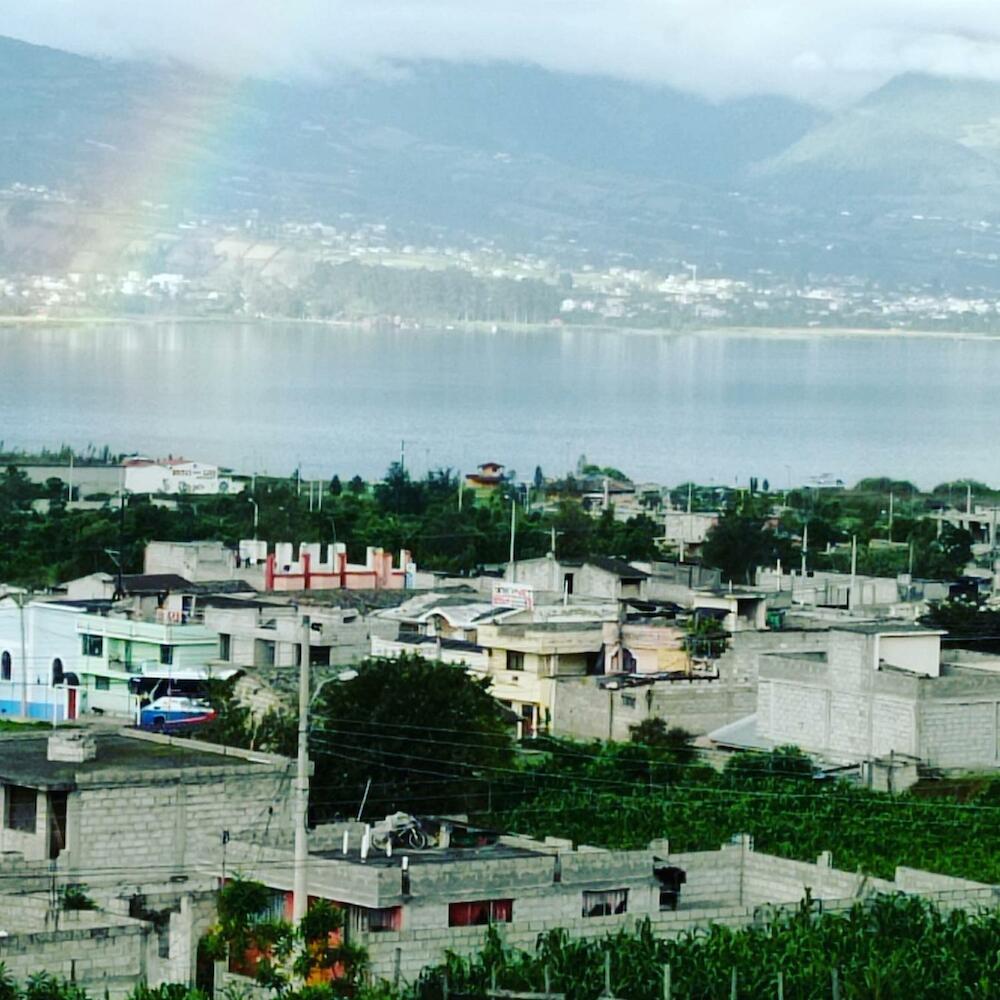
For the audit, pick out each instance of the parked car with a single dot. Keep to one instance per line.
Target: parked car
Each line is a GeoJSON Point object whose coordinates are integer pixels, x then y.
{"type": "Point", "coordinates": [175, 711]}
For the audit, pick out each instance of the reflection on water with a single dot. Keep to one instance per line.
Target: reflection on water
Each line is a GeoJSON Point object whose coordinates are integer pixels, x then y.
{"type": "Point", "coordinates": [718, 407]}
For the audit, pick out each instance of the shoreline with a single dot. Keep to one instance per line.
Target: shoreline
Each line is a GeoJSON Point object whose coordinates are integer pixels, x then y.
{"type": "Point", "coordinates": [497, 329]}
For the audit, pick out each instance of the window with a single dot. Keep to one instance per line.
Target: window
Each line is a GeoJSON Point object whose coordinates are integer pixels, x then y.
{"type": "Point", "coordinates": [93, 645]}
{"type": "Point", "coordinates": [166, 655]}
{"type": "Point", "coordinates": [628, 701]}
{"type": "Point", "coordinates": [604, 904]}
{"type": "Point", "coordinates": [5, 666]}
{"type": "Point", "coordinates": [515, 661]}
{"type": "Point", "coordinates": [671, 878]}
{"type": "Point", "coordinates": [225, 646]}
{"type": "Point", "coordinates": [58, 674]}
{"type": "Point", "coordinates": [22, 805]}
{"type": "Point", "coordinates": [319, 656]}
{"type": "Point", "coordinates": [480, 912]}
{"type": "Point", "coordinates": [528, 720]}
{"type": "Point", "coordinates": [386, 918]}
{"type": "Point", "coordinates": [264, 652]}
{"type": "Point", "coordinates": [595, 662]}
{"type": "Point", "coordinates": [102, 684]}
{"type": "Point", "coordinates": [274, 909]}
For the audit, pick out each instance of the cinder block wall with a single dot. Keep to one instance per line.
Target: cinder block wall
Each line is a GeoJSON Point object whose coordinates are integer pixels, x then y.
{"type": "Point", "coordinates": [112, 958]}
{"type": "Point", "coordinates": [174, 818]}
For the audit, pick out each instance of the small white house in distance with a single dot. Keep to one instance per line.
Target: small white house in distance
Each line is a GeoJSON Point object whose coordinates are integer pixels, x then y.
{"type": "Point", "coordinates": [176, 476]}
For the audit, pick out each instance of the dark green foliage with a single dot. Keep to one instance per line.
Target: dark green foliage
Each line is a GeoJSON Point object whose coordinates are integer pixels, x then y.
{"type": "Point", "coordinates": [167, 991]}
{"type": "Point", "coordinates": [969, 623]}
{"type": "Point", "coordinates": [425, 733]}
{"type": "Point", "coordinates": [743, 540]}
{"type": "Point", "coordinates": [784, 762]}
{"type": "Point", "coordinates": [891, 948]}
{"type": "Point", "coordinates": [609, 797]}
{"type": "Point", "coordinates": [286, 953]}
{"type": "Point", "coordinates": [706, 636]}
{"type": "Point", "coordinates": [420, 515]}
{"type": "Point", "coordinates": [354, 290]}
{"type": "Point", "coordinates": [654, 732]}
{"type": "Point", "coordinates": [74, 897]}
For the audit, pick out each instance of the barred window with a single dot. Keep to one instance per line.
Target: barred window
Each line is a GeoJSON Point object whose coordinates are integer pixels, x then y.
{"type": "Point", "coordinates": [479, 912]}
{"type": "Point", "coordinates": [605, 904]}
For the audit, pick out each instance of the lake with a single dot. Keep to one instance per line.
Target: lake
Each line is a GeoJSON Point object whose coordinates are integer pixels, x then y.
{"type": "Point", "coordinates": [718, 407]}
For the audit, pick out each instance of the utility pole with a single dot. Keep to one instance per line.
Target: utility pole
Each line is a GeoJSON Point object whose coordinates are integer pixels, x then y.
{"type": "Point", "coordinates": [461, 491]}
{"type": "Point", "coordinates": [300, 885]}
{"type": "Point", "coordinates": [805, 547]}
{"type": "Point", "coordinates": [402, 456]}
{"type": "Point", "coordinates": [21, 598]}
{"type": "Point", "coordinates": [851, 601]}
{"type": "Point", "coordinates": [120, 584]}
{"type": "Point", "coordinates": [552, 543]}
{"type": "Point", "coordinates": [891, 498]}
{"type": "Point", "coordinates": [513, 532]}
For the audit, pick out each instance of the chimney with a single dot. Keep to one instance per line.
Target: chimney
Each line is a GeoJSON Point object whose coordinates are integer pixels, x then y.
{"type": "Point", "coordinates": [72, 746]}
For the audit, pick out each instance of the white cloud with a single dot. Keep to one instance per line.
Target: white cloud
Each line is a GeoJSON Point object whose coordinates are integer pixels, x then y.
{"type": "Point", "coordinates": [817, 50]}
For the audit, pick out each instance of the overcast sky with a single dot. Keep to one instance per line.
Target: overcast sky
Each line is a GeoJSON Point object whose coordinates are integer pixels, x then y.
{"type": "Point", "coordinates": [816, 50]}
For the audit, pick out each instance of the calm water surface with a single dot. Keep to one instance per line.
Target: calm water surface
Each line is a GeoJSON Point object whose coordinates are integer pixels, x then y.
{"type": "Point", "coordinates": [719, 407]}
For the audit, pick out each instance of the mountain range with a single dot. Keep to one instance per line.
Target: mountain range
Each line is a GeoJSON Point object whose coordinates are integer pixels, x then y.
{"type": "Point", "coordinates": [902, 185]}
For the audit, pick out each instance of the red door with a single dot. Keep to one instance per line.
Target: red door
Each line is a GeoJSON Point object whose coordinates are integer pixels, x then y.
{"type": "Point", "coordinates": [70, 703]}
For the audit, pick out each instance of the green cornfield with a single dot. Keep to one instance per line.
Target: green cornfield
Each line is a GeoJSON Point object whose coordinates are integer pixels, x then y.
{"type": "Point", "coordinates": [887, 948]}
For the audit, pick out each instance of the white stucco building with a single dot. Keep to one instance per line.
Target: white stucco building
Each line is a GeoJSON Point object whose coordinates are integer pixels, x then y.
{"type": "Point", "coordinates": [176, 476]}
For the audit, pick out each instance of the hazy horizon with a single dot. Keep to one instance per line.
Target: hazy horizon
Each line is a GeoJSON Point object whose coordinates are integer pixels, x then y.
{"type": "Point", "coordinates": [821, 53]}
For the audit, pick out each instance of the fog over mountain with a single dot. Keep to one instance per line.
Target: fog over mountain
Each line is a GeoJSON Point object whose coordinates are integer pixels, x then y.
{"type": "Point", "coordinates": [898, 183]}
{"type": "Point", "coordinates": [819, 51]}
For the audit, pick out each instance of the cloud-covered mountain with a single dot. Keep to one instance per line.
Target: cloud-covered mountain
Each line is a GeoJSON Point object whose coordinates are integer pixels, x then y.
{"type": "Point", "coordinates": [514, 153]}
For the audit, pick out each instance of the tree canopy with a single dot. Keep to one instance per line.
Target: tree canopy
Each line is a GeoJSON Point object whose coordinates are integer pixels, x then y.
{"type": "Point", "coordinates": [426, 734]}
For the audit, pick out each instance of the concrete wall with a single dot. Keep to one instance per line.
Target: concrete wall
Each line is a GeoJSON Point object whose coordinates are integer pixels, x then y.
{"type": "Point", "coordinates": [199, 561]}
{"type": "Point", "coordinates": [547, 576]}
{"type": "Point", "coordinates": [918, 653]}
{"type": "Point", "coordinates": [845, 709]}
{"type": "Point", "coordinates": [733, 887]}
{"type": "Point", "coordinates": [164, 818]}
{"type": "Point", "coordinates": [86, 479]}
{"type": "Point", "coordinates": [584, 710]}
{"type": "Point", "coordinates": [99, 952]}
{"type": "Point", "coordinates": [343, 631]}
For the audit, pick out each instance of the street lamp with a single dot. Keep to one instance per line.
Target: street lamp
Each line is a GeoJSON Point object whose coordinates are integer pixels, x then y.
{"type": "Point", "coordinates": [256, 515]}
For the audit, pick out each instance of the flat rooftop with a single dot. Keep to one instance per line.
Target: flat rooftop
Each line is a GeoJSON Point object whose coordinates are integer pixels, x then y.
{"type": "Point", "coordinates": [432, 855]}
{"type": "Point", "coordinates": [24, 760]}
{"type": "Point", "coordinates": [887, 628]}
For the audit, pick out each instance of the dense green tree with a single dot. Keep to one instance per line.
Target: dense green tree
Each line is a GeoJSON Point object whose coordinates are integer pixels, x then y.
{"type": "Point", "coordinates": [741, 541]}
{"type": "Point", "coordinates": [969, 623]}
{"type": "Point", "coordinates": [426, 734]}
